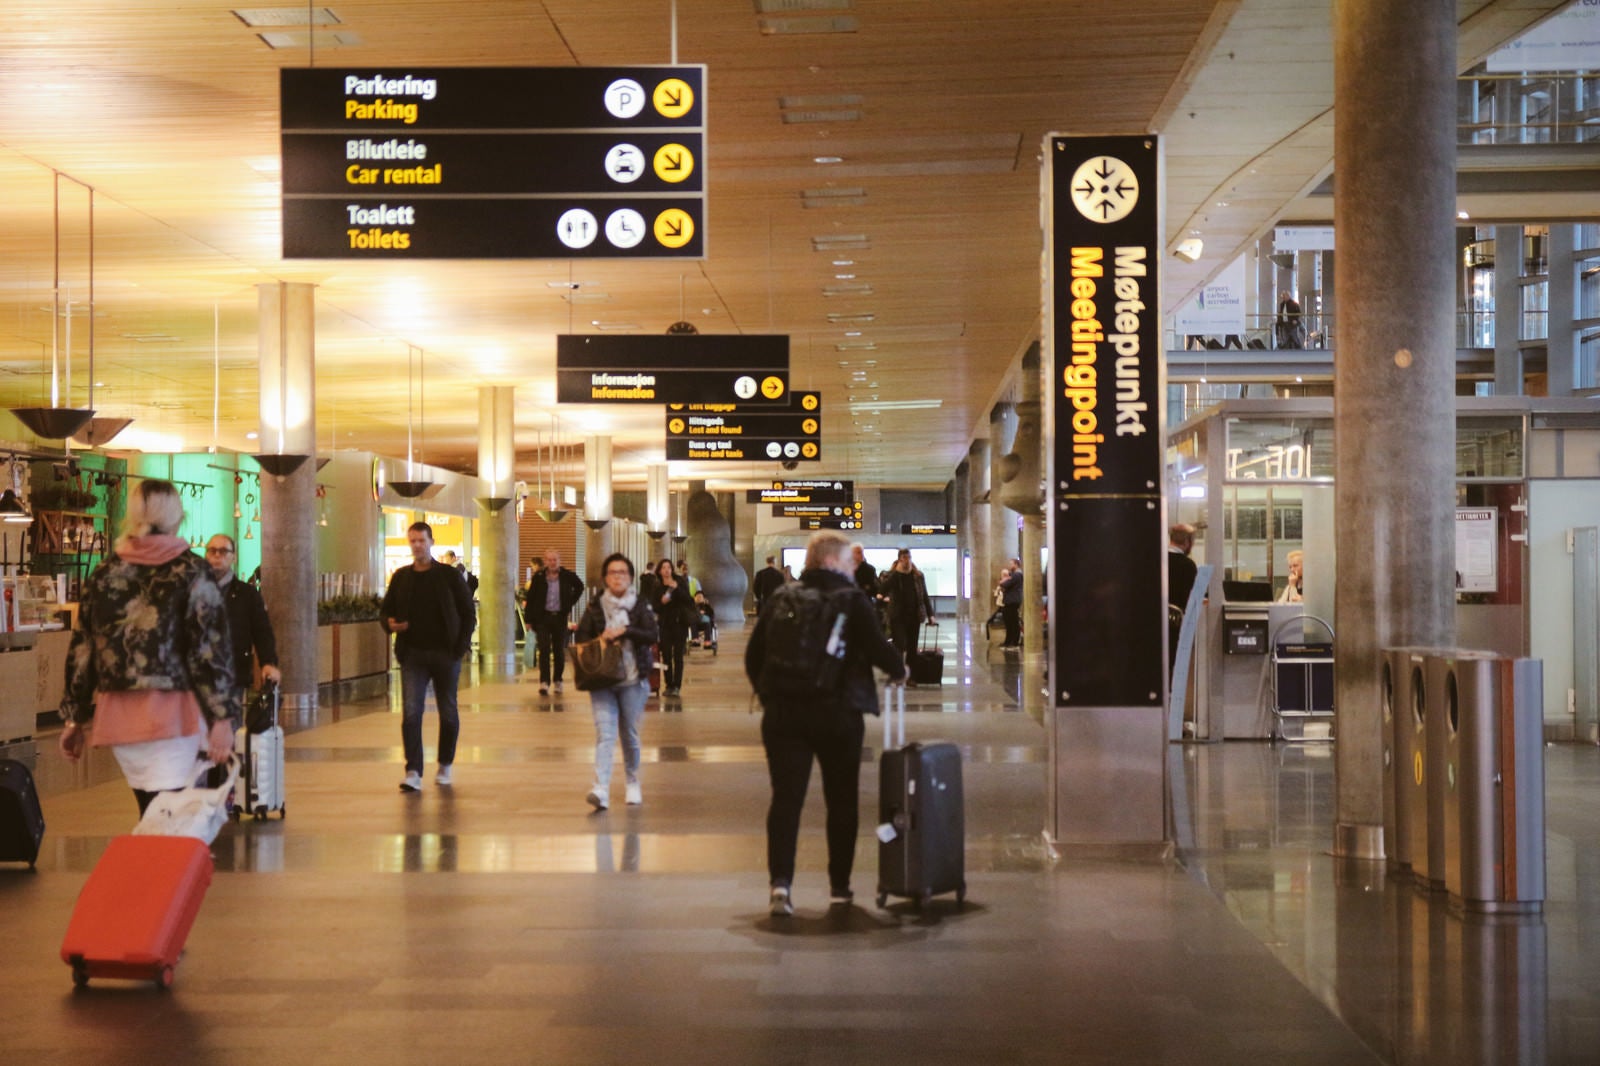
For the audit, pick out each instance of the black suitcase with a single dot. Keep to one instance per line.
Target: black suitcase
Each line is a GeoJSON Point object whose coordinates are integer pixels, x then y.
{"type": "Point", "coordinates": [21, 820]}
{"type": "Point", "coordinates": [921, 821]}
{"type": "Point", "coordinates": [926, 664]}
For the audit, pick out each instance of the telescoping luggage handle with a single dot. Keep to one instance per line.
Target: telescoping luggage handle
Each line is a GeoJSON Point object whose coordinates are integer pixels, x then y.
{"type": "Point", "coordinates": [923, 643]}
{"type": "Point", "coordinates": [894, 700]}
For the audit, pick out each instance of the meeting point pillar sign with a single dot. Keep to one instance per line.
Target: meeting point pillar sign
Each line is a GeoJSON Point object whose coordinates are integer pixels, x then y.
{"type": "Point", "coordinates": [1102, 318]}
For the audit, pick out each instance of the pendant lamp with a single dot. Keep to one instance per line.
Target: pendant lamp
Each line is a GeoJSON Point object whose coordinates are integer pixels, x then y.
{"type": "Point", "coordinates": [551, 513]}
{"type": "Point", "coordinates": [413, 486]}
{"type": "Point", "coordinates": [57, 422]}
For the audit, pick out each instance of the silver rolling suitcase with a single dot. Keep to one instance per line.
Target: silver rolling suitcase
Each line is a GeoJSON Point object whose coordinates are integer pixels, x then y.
{"type": "Point", "coordinates": [259, 745]}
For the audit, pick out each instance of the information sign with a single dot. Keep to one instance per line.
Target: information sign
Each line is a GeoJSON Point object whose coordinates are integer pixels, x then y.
{"type": "Point", "coordinates": [726, 431]}
{"type": "Point", "coordinates": [673, 369]}
{"type": "Point", "coordinates": [1103, 321]}
{"type": "Point", "coordinates": [493, 162]}
{"type": "Point", "coordinates": [813, 491]}
{"type": "Point", "coordinates": [926, 528]}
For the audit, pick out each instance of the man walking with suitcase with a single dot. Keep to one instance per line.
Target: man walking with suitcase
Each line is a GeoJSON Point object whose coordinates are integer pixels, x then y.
{"type": "Point", "coordinates": [428, 609]}
{"type": "Point", "coordinates": [909, 605]}
{"type": "Point", "coordinates": [247, 616]}
{"type": "Point", "coordinates": [810, 657]}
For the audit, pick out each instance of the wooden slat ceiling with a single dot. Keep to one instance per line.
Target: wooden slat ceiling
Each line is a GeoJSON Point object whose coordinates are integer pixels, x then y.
{"type": "Point", "coordinates": [168, 108]}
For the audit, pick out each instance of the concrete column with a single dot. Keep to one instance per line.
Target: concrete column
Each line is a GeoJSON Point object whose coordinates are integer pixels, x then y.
{"type": "Point", "coordinates": [978, 521]}
{"type": "Point", "coordinates": [1394, 380]}
{"type": "Point", "coordinates": [600, 541]}
{"type": "Point", "coordinates": [1561, 359]}
{"type": "Point", "coordinates": [1507, 311]}
{"type": "Point", "coordinates": [963, 505]}
{"type": "Point", "coordinates": [1023, 494]}
{"type": "Point", "coordinates": [1002, 523]}
{"type": "Point", "coordinates": [497, 528]}
{"type": "Point", "coordinates": [287, 365]}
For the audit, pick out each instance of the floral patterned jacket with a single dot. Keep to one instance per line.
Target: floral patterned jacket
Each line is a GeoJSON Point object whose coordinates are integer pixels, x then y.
{"type": "Point", "coordinates": [161, 627]}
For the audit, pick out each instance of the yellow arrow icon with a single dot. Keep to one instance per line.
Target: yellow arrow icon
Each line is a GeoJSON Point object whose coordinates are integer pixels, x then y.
{"type": "Point", "coordinates": [673, 162]}
{"type": "Point", "coordinates": [675, 425]}
{"type": "Point", "coordinates": [772, 388]}
{"type": "Point", "coordinates": [674, 406]}
{"type": "Point", "coordinates": [673, 98]}
{"type": "Point", "coordinates": [674, 228]}
{"type": "Point", "coordinates": [809, 401]}
{"type": "Point", "coordinates": [809, 426]}
{"type": "Point", "coordinates": [809, 450]}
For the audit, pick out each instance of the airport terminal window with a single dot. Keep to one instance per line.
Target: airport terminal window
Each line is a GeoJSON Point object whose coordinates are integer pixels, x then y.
{"type": "Point", "coordinates": [1489, 448]}
{"type": "Point", "coordinates": [1589, 359]}
{"type": "Point", "coordinates": [941, 567]}
{"type": "Point", "coordinates": [1291, 450]}
{"type": "Point", "coordinates": [1535, 311]}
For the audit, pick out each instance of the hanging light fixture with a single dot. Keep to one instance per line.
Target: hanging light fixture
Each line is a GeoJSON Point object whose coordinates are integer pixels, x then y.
{"type": "Point", "coordinates": [552, 513]}
{"type": "Point", "coordinates": [413, 486]}
{"type": "Point", "coordinates": [56, 422]}
{"type": "Point", "coordinates": [285, 404]}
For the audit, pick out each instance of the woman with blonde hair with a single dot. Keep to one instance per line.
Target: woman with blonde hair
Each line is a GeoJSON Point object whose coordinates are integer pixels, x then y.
{"type": "Point", "coordinates": [150, 667]}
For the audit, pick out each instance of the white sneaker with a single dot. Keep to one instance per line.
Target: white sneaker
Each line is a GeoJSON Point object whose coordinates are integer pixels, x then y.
{"type": "Point", "coordinates": [778, 902]}
{"type": "Point", "coordinates": [412, 783]}
{"type": "Point", "coordinates": [443, 777]}
{"type": "Point", "coordinates": [635, 795]}
{"type": "Point", "coordinates": [544, 690]}
{"type": "Point", "coordinates": [597, 799]}
{"type": "Point", "coordinates": [558, 688]}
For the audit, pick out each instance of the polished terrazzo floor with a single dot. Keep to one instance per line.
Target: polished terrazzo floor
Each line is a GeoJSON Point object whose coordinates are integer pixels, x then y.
{"type": "Point", "coordinates": [501, 921]}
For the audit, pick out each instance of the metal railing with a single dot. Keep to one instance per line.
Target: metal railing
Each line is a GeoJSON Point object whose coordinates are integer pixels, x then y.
{"type": "Point", "coordinates": [1528, 109]}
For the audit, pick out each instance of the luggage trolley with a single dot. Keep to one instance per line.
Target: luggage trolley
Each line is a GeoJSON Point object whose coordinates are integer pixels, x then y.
{"type": "Point", "coordinates": [1302, 682]}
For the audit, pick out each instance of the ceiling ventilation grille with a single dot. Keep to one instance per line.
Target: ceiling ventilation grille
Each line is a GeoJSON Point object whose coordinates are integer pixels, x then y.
{"type": "Point", "coordinates": [841, 242]}
{"type": "Point", "coordinates": [300, 39]}
{"type": "Point", "coordinates": [255, 17]}
{"type": "Point", "coordinates": [852, 197]}
{"type": "Point", "coordinates": [837, 107]}
{"type": "Point", "coordinates": [781, 17]}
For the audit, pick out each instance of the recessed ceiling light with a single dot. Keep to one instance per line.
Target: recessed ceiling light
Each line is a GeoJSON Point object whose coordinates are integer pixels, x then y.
{"type": "Point", "coordinates": [852, 333]}
{"type": "Point", "coordinates": [856, 346]}
{"type": "Point", "coordinates": [280, 40]}
{"type": "Point", "coordinates": [597, 324]}
{"type": "Point", "coordinates": [844, 262]}
{"type": "Point", "coordinates": [861, 318]}
{"type": "Point", "coordinates": [1462, 214]}
{"type": "Point", "coordinates": [827, 159]}
{"type": "Point", "coordinates": [851, 197]}
{"type": "Point", "coordinates": [252, 435]}
{"type": "Point", "coordinates": [845, 277]}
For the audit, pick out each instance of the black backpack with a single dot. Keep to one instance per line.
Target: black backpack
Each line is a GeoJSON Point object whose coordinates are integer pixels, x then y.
{"type": "Point", "coordinates": [805, 642]}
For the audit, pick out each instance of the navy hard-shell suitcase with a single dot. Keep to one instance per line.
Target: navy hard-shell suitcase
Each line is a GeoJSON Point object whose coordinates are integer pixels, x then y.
{"type": "Point", "coordinates": [921, 818]}
{"type": "Point", "coordinates": [21, 820]}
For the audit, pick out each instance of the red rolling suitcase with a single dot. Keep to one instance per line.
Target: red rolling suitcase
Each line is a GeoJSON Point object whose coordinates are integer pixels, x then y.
{"type": "Point", "coordinates": [135, 911]}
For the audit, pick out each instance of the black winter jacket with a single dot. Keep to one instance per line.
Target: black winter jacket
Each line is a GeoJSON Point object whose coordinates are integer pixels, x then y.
{"type": "Point", "coordinates": [865, 646]}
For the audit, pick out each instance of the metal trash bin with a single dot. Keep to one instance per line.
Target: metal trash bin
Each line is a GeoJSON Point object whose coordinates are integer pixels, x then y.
{"type": "Point", "coordinates": [1499, 864]}
{"type": "Point", "coordinates": [1440, 703]}
{"type": "Point", "coordinates": [1401, 784]}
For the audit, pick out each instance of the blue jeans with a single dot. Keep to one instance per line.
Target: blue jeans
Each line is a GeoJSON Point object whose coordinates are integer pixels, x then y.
{"type": "Point", "coordinates": [620, 705]}
{"type": "Point", "coordinates": [422, 666]}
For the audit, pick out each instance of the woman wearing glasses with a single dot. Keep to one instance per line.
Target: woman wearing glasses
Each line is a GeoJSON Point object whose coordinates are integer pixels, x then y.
{"type": "Point", "coordinates": [618, 613]}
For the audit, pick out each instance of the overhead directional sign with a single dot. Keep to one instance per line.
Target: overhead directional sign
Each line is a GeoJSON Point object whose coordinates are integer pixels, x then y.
{"type": "Point", "coordinates": [829, 491]}
{"type": "Point", "coordinates": [673, 369]}
{"type": "Point", "coordinates": [728, 432]}
{"type": "Point", "coordinates": [493, 162]}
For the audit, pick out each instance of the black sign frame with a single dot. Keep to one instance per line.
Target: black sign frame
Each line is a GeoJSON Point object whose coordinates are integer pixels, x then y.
{"type": "Point", "coordinates": [1107, 538]}
{"type": "Point", "coordinates": [682, 368]}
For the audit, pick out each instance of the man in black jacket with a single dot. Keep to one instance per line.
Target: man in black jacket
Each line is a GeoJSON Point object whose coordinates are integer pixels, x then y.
{"type": "Point", "coordinates": [428, 609]}
{"type": "Point", "coordinates": [769, 579]}
{"type": "Point", "coordinates": [551, 595]}
{"type": "Point", "coordinates": [797, 727]}
{"type": "Point", "coordinates": [247, 616]}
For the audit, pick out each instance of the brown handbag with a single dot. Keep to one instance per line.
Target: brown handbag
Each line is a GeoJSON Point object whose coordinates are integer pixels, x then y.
{"type": "Point", "coordinates": [597, 663]}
